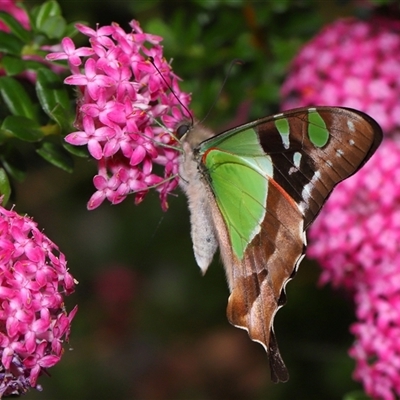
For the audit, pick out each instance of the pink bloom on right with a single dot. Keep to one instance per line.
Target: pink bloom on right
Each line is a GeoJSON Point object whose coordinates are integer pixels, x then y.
{"type": "Point", "coordinates": [350, 63]}
{"type": "Point", "coordinates": [356, 238]}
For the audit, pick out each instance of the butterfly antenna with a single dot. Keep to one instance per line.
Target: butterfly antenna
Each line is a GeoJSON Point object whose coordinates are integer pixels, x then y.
{"type": "Point", "coordinates": [234, 62]}
{"type": "Point", "coordinates": [151, 59]}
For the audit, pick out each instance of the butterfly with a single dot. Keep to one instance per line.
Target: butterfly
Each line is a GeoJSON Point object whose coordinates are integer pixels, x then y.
{"type": "Point", "coordinates": [254, 190]}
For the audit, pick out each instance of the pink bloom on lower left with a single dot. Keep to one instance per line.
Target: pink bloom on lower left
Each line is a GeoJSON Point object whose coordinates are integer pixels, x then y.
{"type": "Point", "coordinates": [34, 323]}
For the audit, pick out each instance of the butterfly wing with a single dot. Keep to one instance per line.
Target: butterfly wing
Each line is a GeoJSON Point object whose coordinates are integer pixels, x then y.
{"type": "Point", "coordinates": [267, 181]}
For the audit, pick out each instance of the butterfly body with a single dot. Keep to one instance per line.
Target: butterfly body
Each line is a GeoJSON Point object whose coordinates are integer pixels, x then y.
{"type": "Point", "coordinates": [203, 231]}
{"type": "Point", "coordinates": [253, 191]}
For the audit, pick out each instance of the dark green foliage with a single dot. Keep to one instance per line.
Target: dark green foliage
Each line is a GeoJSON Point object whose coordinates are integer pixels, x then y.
{"type": "Point", "coordinates": [34, 110]}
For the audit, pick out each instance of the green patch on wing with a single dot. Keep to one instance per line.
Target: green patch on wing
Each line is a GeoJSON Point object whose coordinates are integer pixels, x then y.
{"type": "Point", "coordinates": [242, 142]}
{"type": "Point", "coordinates": [317, 130]}
{"type": "Point", "coordinates": [282, 125]}
{"type": "Point", "coordinates": [240, 186]}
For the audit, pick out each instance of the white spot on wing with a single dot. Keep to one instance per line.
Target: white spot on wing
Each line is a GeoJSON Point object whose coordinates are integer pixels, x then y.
{"type": "Point", "coordinates": [304, 238]}
{"type": "Point", "coordinates": [283, 127]}
{"type": "Point", "coordinates": [306, 192]}
{"type": "Point", "coordinates": [297, 159]}
{"type": "Point", "coordinates": [296, 163]}
{"type": "Point", "coordinates": [351, 142]}
{"type": "Point", "coordinates": [351, 126]}
{"type": "Point", "coordinates": [285, 141]}
{"type": "Point", "coordinates": [339, 153]}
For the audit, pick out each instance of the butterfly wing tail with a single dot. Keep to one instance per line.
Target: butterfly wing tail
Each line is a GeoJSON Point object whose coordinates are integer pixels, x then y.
{"type": "Point", "coordinates": [279, 372]}
{"type": "Point", "coordinates": [250, 313]}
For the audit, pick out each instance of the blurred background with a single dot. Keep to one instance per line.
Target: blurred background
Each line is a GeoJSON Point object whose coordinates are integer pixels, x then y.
{"type": "Point", "coordinates": [149, 326]}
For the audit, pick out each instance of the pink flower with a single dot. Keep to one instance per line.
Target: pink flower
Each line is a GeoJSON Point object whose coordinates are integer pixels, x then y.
{"type": "Point", "coordinates": [34, 323]}
{"type": "Point", "coordinates": [92, 137]}
{"type": "Point", "coordinates": [18, 13]}
{"type": "Point", "coordinates": [350, 63]}
{"type": "Point", "coordinates": [356, 238]}
{"type": "Point", "coordinates": [126, 112]}
{"type": "Point", "coordinates": [71, 54]}
{"type": "Point", "coordinates": [357, 241]}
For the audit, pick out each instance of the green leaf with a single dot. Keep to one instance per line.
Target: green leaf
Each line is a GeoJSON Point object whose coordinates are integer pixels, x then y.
{"type": "Point", "coordinates": [22, 128]}
{"type": "Point", "coordinates": [79, 151]}
{"type": "Point", "coordinates": [33, 65]}
{"type": "Point", "coordinates": [13, 162]}
{"type": "Point", "coordinates": [16, 98]}
{"type": "Point", "coordinates": [159, 27]}
{"type": "Point", "coordinates": [56, 155]}
{"type": "Point", "coordinates": [54, 27]}
{"type": "Point", "coordinates": [13, 65]}
{"type": "Point", "coordinates": [15, 27]}
{"type": "Point", "coordinates": [48, 20]}
{"type": "Point", "coordinates": [51, 92]}
{"type": "Point", "coordinates": [63, 119]}
{"type": "Point", "coordinates": [10, 44]}
{"type": "Point", "coordinates": [54, 99]}
{"type": "Point", "coordinates": [45, 11]}
{"type": "Point", "coordinates": [5, 188]}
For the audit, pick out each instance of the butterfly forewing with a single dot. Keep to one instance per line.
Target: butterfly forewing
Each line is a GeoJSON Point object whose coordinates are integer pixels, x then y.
{"type": "Point", "coordinates": [267, 181]}
{"type": "Point", "coordinates": [307, 169]}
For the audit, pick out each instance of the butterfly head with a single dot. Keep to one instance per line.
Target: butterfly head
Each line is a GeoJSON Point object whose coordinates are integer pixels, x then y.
{"type": "Point", "coordinates": [192, 134]}
{"type": "Point", "coordinates": [182, 129]}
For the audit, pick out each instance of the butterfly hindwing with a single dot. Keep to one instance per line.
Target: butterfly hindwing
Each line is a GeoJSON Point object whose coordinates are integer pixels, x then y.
{"type": "Point", "coordinates": [267, 181]}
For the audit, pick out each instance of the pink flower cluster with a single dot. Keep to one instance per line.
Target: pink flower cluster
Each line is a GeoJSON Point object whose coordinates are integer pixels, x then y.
{"type": "Point", "coordinates": [126, 111]}
{"type": "Point", "coordinates": [356, 238]}
{"type": "Point", "coordinates": [357, 241]}
{"type": "Point", "coordinates": [33, 321]}
{"type": "Point", "coordinates": [350, 63]}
